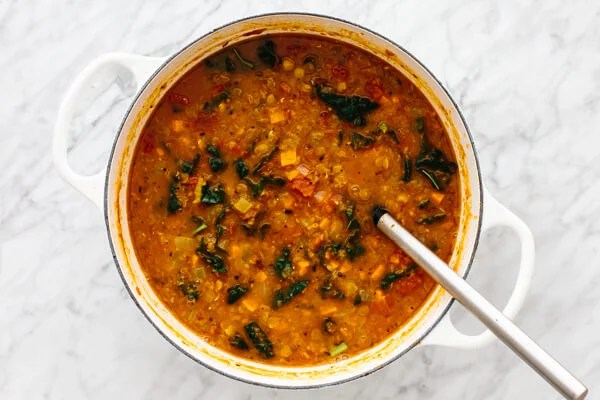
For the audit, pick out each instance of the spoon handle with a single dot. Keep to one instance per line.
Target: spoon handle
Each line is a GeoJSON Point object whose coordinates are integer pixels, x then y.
{"type": "Point", "coordinates": [529, 351]}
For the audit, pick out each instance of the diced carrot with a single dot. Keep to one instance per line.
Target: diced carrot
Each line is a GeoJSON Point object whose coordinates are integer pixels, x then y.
{"type": "Point", "coordinates": [250, 303]}
{"type": "Point", "coordinates": [303, 186]}
{"type": "Point", "coordinates": [328, 309]}
{"type": "Point", "coordinates": [324, 224]}
{"type": "Point", "coordinates": [345, 267]}
{"type": "Point", "coordinates": [235, 252]}
{"type": "Point", "coordinates": [437, 198]}
{"type": "Point", "coordinates": [260, 276]}
{"type": "Point", "coordinates": [242, 205]}
{"type": "Point", "coordinates": [177, 125]}
{"type": "Point", "coordinates": [333, 265]}
{"type": "Point", "coordinates": [288, 157]}
{"type": "Point", "coordinates": [292, 174]}
{"type": "Point", "coordinates": [378, 272]}
{"type": "Point", "coordinates": [303, 266]}
{"type": "Point", "coordinates": [287, 200]}
{"type": "Point", "coordinates": [276, 115]}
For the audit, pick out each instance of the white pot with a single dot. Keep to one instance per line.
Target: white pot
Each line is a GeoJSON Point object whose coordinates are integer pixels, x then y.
{"type": "Point", "coordinates": [431, 325]}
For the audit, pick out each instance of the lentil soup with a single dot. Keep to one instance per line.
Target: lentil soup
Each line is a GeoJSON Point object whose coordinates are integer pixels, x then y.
{"type": "Point", "coordinates": [251, 192]}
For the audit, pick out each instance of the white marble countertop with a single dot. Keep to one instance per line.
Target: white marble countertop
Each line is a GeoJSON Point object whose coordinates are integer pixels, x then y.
{"type": "Point", "coordinates": [527, 75]}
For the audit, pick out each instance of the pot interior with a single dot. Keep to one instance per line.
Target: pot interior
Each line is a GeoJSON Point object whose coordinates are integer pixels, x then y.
{"type": "Point", "coordinates": [118, 179]}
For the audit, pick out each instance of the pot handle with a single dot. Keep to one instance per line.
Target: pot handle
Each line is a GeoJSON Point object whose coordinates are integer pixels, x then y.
{"type": "Point", "coordinates": [141, 67]}
{"type": "Point", "coordinates": [445, 333]}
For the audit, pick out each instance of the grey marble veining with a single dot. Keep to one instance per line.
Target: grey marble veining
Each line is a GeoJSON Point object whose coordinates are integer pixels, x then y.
{"type": "Point", "coordinates": [527, 76]}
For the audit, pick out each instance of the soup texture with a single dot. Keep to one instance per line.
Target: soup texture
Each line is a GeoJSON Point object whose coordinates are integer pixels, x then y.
{"type": "Point", "coordinates": [251, 192]}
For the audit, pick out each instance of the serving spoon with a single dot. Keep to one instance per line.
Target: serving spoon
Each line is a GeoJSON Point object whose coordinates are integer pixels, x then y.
{"type": "Point", "coordinates": [517, 340]}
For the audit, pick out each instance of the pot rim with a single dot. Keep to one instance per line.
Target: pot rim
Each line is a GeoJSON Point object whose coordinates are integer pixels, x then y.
{"type": "Point", "coordinates": [133, 296]}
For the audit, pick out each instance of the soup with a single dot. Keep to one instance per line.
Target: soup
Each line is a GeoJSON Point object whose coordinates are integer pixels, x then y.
{"type": "Point", "coordinates": [251, 192]}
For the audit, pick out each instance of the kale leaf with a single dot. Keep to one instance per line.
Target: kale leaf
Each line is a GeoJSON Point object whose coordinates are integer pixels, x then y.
{"type": "Point", "coordinates": [189, 289]}
{"type": "Point", "coordinates": [360, 141]}
{"type": "Point", "coordinates": [218, 99]}
{"type": "Point", "coordinates": [259, 339]}
{"type": "Point", "coordinates": [215, 261]}
{"type": "Point", "coordinates": [238, 342]}
{"type": "Point", "coordinates": [407, 168]}
{"type": "Point", "coordinates": [267, 53]}
{"type": "Point", "coordinates": [173, 204]}
{"type": "Point", "coordinates": [285, 295]}
{"type": "Point", "coordinates": [347, 108]}
{"type": "Point", "coordinates": [283, 264]}
{"type": "Point", "coordinates": [431, 162]}
{"type": "Point", "coordinates": [258, 187]}
{"type": "Point", "coordinates": [214, 195]}
{"type": "Point", "coordinates": [235, 293]}
{"type": "Point", "coordinates": [241, 168]}
{"type": "Point", "coordinates": [386, 281]}
{"type": "Point", "coordinates": [215, 162]}
{"type": "Point", "coordinates": [431, 219]}
{"type": "Point", "coordinates": [265, 159]}
{"type": "Point", "coordinates": [330, 291]}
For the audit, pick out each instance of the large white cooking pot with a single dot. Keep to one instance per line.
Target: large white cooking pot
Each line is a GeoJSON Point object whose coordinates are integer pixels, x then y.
{"type": "Point", "coordinates": [431, 325]}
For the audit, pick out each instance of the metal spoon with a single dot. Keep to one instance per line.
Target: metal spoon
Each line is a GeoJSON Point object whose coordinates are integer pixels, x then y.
{"type": "Point", "coordinates": [529, 351]}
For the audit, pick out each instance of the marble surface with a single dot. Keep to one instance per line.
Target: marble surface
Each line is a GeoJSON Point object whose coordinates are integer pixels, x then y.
{"type": "Point", "coordinates": [527, 75]}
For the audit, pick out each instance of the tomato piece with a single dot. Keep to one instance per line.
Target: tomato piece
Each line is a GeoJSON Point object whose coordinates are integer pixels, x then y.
{"type": "Point", "coordinates": [217, 89]}
{"type": "Point", "coordinates": [408, 284]}
{"type": "Point", "coordinates": [401, 259]}
{"type": "Point", "coordinates": [178, 98]}
{"type": "Point", "coordinates": [205, 121]}
{"type": "Point", "coordinates": [148, 143]}
{"type": "Point", "coordinates": [374, 88]}
{"type": "Point", "coordinates": [235, 149]}
{"type": "Point", "coordinates": [295, 49]}
{"type": "Point", "coordinates": [303, 186]}
{"type": "Point", "coordinates": [340, 72]}
{"type": "Point", "coordinates": [380, 307]}
{"type": "Point", "coordinates": [325, 115]}
{"type": "Point", "coordinates": [192, 181]}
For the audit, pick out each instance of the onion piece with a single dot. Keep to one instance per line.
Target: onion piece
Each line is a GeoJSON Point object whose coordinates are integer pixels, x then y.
{"type": "Point", "coordinates": [320, 196]}
{"type": "Point", "coordinates": [303, 169]}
